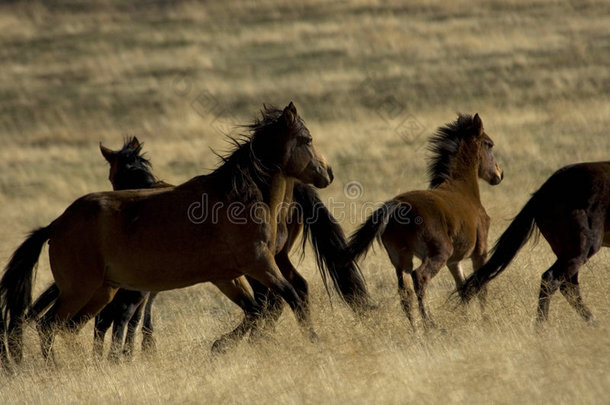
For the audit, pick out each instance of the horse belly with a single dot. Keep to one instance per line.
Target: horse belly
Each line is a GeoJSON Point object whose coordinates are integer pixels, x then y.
{"type": "Point", "coordinates": [172, 266]}
{"type": "Point", "coordinates": [165, 273]}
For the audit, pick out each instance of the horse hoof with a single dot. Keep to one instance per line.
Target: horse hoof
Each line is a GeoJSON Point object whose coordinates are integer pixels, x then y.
{"type": "Point", "coordinates": [220, 346]}
{"type": "Point", "coordinates": [149, 345]}
{"type": "Point", "coordinates": [114, 358]}
{"type": "Point", "coordinates": [127, 354]}
{"type": "Point", "coordinates": [539, 326]}
{"type": "Point", "coordinates": [592, 322]}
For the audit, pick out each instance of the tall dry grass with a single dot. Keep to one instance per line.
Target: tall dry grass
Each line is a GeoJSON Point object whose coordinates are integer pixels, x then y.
{"type": "Point", "coordinates": [372, 79]}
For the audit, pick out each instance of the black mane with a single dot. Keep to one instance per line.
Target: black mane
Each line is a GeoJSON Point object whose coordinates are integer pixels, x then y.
{"type": "Point", "coordinates": [249, 166]}
{"type": "Point", "coordinates": [444, 146]}
{"type": "Point", "coordinates": [133, 169]}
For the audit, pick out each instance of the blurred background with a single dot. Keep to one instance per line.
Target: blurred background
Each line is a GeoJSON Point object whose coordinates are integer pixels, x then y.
{"type": "Point", "coordinates": [373, 80]}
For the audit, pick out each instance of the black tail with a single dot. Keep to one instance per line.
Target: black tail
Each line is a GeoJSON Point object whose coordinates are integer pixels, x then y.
{"type": "Point", "coordinates": [328, 241]}
{"type": "Point", "coordinates": [42, 303]}
{"type": "Point", "coordinates": [373, 228]}
{"type": "Point", "coordinates": [512, 240]}
{"type": "Point", "coordinates": [16, 289]}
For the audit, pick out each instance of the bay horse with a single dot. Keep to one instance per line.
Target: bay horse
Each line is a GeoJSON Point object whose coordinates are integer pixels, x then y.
{"type": "Point", "coordinates": [572, 211]}
{"type": "Point", "coordinates": [442, 225]}
{"type": "Point", "coordinates": [309, 217]}
{"type": "Point", "coordinates": [161, 239]}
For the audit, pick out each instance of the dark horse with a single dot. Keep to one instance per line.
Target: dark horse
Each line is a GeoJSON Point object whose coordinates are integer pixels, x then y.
{"type": "Point", "coordinates": [131, 239]}
{"type": "Point", "coordinates": [442, 225]}
{"type": "Point", "coordinates": [572, 211]}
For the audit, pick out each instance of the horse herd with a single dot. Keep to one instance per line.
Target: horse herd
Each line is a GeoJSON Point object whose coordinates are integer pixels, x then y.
{"type": "Point", "coordinates": [109, 249]}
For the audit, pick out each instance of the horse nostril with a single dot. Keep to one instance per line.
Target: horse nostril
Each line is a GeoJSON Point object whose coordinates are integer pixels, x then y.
{"type": "Point", "coordinates": [502, 175]}
{"type": "Point", "coordinates": [330, 174]}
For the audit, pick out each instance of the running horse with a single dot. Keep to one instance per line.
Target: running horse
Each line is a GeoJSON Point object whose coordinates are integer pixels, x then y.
{"type": "Point", "coordinates": [310, 217]}
{"type": "Point", "coordinates": [572, 211]}
{"type": "Point", "coordinates": [442, 225]}
{"type": "Point", "coordinates": [150, 240]}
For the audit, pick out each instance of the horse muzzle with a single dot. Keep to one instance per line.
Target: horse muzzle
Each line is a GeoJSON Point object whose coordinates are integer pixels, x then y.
{"type": "Point", "coordinates": [497, 178]}
{"type": "Point", "coordinates": [324, 176]}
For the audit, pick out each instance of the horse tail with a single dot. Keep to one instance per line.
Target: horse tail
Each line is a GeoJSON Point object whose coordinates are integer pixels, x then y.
{"type": "Point", "coordinates": [43, 301]}
{"type": "Point", "coordinates": [328, 242]}
{"type": "Point", "coordinates": [361, 241]}
{"type": "Point", "coordinates": [508, 245]}
{"type": "Point", "coordinates": [16, 289]}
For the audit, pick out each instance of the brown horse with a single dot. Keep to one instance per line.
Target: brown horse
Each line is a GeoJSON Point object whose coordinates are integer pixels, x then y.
{"type": "Point", "coordinates": [309, 217]}
{"type": "Point", "coordinates": [213, 228]}
{"type": "Point", "coordinates": [440, 226]}
{"type": "Point", "coordinates": [572, 211]}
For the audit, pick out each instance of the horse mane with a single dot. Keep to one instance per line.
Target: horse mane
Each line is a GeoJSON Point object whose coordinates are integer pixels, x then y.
{"type": "Point", "coordinates": [134, 169]}
{"type": "Point", "coordinates": [444, 145]}
{"type": "Point", "coordinates": [248, 166]}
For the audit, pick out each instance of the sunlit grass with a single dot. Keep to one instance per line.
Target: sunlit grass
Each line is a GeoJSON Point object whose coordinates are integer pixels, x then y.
{"type": "Point", "coordinates": [77, 73]}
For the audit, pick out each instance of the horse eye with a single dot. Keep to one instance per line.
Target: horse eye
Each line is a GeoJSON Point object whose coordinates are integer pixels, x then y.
{"type": "Point", "coordinates": [306, 141]}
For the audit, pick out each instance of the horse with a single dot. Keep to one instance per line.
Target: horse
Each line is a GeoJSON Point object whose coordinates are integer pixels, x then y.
{"type": "Point", "coordinates": [128, 169]}
{"type": "Point", "coordinates": [572, 211]}
{"type": "Point", "coordinates": [442, 225]}
{"type": "Point", "coordinates": [167, 238]}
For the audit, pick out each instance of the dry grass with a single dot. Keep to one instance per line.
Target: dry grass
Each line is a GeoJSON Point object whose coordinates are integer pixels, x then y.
{"type": "Point", "coordinates": [537, 72]}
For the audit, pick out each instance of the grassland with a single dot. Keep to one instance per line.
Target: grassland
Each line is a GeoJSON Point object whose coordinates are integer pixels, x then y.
{"type": "Point", "coordinates": [372, 79]}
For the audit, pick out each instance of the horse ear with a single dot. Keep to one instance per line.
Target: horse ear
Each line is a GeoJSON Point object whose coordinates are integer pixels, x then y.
{"type": "Point", "coordinates": [290, 114]}
{"type": "Point", "coordinates": [477, 123]}
{"type": "Point", "coordinates": [107, 153]}
{"type": "Point", "coordinates": [134, 143]}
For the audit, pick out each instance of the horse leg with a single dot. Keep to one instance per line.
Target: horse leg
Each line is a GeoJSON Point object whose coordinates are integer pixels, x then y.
{"type": "Point", "coordinates": [148, 340]}
{"type": "Point", "coordinates": [4, 360]}
{"type": "Point", "coordinates": [406, 294]}
{"type": "Point", "coordinates": [237, 291]}
{"type": "Point", "coordinates": [478, 260]}
{"type": "Point", "coordinates": [574, 241]}
{"type": "Point", "coordinates": [132, 326]}
{"type": "Point", "coordinates": [297, 281]}
{"type": "Point", "coordinates": [61, 315]}
{"type": "Point", "coordinates": [46, 331]}
{"type": "Point", "coordinates": [421, 277]}
{"type": "Point", "coordinates": [455, 268]}
{"type": "Point", "coordinates": [268, 273]}
{"type": "Point", "coordinates": [571, 291]}
{"type": "Point", "coordinates": [100, 300]}
{"type": "Point", "coordinates": [122, 317]}
{"type": "Point", "coordinates": [549, 285]}
{"type": "Point", "coordinates": [103, 321]}
{"type": "Point", "coordinates": [271, 304]}
{"type": "Point", "coordinates": [403, 263]}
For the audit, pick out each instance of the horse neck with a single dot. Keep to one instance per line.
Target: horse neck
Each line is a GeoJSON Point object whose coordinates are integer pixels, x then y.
{"type": "Point", "coordinates": [132, 179]}
{"type": "Point", "coordinates": [465, 171]}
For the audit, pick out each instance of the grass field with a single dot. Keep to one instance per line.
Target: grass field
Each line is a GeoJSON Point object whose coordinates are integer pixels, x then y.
{"type": "Point", "coordinates": [372, 79]}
